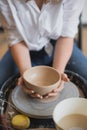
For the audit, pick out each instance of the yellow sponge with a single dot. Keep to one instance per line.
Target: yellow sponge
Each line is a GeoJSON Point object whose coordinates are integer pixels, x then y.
{"type": "Point", "coordinates": [20, 121]}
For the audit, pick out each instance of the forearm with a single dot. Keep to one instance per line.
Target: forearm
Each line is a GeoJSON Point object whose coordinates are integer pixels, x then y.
{"type": "Point", "coordinates": [21, 56]}
{"type": "Point", "coordinates": [63, 51]}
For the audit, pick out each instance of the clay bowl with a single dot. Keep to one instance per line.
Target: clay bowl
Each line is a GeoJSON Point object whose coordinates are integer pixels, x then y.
{"type": "Point", "coordinates": [42, 79]}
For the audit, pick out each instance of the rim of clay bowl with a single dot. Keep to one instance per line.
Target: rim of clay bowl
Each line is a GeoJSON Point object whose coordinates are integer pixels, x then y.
{"type": "Point", "coordinates": [59, 76]}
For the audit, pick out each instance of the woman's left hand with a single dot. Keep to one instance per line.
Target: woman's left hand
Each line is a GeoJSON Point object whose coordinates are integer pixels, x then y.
{"type": "Point", "coordinates": [55, 92]}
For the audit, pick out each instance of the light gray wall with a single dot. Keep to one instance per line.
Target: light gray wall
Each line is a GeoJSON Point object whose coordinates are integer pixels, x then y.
{"type": "Point", "coordinates": [84, 14]}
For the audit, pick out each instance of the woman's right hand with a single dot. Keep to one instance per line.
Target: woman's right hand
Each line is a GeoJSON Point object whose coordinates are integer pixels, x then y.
{"type": "Point", "coordinates": [32, 93]}
{"type": "Point", "coordinates": [27, 90]}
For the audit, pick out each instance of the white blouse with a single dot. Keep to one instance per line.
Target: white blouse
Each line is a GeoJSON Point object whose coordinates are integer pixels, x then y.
{"type": "Point", "coordinates": [25, 21]}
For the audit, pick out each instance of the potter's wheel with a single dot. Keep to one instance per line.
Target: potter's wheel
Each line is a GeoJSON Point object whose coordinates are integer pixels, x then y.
{"type": "Point", "coordinates": [37, 109]}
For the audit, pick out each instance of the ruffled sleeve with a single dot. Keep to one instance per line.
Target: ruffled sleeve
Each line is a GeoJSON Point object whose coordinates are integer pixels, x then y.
{"type": "Point", "coordinates": [8, 23]}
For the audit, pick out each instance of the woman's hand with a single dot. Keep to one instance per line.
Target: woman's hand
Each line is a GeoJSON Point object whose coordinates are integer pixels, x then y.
{"type": "Point", "coordinates": [32, 93]}
{"type": "Point", "coordinates": [54, 92]}
{"type": "Point", "coordinates": [27, 90]}
{"type": "Point", "coordinates": [20, 81]}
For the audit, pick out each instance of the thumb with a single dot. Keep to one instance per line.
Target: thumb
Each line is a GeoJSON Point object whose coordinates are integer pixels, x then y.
{"type": "Point", "coordinates": [64, 77]}
{"type": "Point", "coordinates": [20, 81]}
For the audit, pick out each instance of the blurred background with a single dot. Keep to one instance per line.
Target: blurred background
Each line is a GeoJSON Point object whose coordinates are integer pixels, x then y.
{"type": "Point", "coordinates": [81, 37]}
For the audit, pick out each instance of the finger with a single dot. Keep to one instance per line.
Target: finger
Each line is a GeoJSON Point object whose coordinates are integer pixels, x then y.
{"type": "Point", "coordinates": [28, 91]}
{"type": "Point", "coordinates": [50, 95]}
{"type": "Point", "coordinates": [32, 93]}
{"type": "Point", "coordinates": [35, 95]}
{"type": "Point", "coordinates": [58, 89]}
{"type": "Point", "coordinates": [64, 77]}
{"type": "Point", "coordinates": [20, 81]}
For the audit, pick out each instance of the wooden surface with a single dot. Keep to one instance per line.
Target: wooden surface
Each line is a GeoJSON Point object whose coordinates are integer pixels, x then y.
{"type": "Point", "coordinates": [42, 129]}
